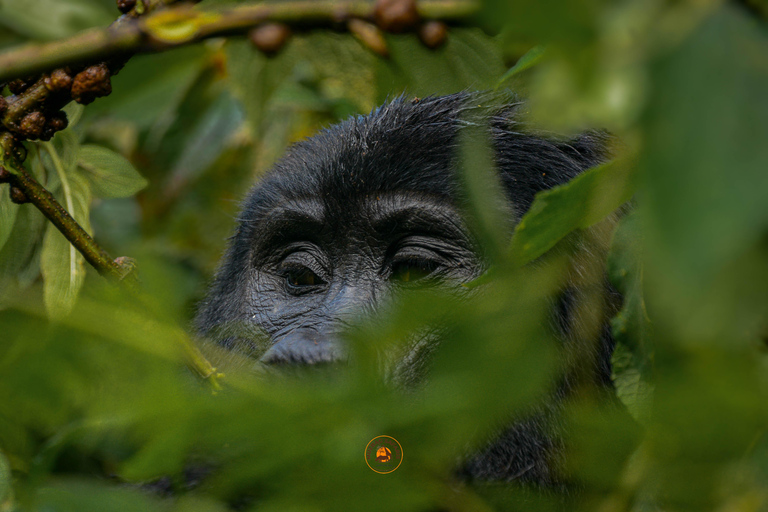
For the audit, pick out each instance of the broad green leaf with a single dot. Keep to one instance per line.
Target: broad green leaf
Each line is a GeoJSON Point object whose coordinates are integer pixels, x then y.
{"type": "Point", "coordinates": [74, 112]}
{"type": "Point", "coordinates": [66, 146]}
{"type": "Point", "coordinates": [251, 79]}
{"type": "Point", "coordinates": [706, 164]}
{"type": "Point", "coordinates": [208, 139]}
{"type": "Point", "coordinates": [6, 490]}
{"type": "Point", "coordinates": [18, 260]}
{"type": "Point", "coordinates": [469, 60]}
{"type": "Point", "coordinates": [151, 93]}
{"type": "Point", "coordinates": [63, 267]}
{"type": "Point", "coordinates": [109, 173]}
{"type": "Point", "coordinates": [527, 61]}
{"type": "Point", "coordinates": [487, 216]}
{"type": "Point", "coordinates": [8, 212]}
{"type": "Point", "coordinates": [631, 328]}
{"type": "Point", "coordinates": [70, 495]}
{"type": "Point", "coordinates": [52, 19]}
{"type": "Point", "coordinates": [583, 201]}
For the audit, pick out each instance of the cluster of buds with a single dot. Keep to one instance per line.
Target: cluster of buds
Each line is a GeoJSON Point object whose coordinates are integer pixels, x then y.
{"type": "Point", "coordinates": [395, 16]}
{"type": "Point", "coordinates": [55, 89]}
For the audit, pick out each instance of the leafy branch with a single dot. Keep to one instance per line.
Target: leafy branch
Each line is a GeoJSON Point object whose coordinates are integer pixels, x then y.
{"type": "Point", "coordinates": [183, 25]}
{"type": "Point", "coordinates": [24, 188]}
{"type": "Point", "coordinates": [43, 78]}
{"type": "Point", "coordinates": [79, 69]}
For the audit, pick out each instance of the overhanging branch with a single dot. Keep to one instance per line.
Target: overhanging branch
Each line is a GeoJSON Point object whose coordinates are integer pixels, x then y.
{"type": "Point", "coordinates": [183, 25]}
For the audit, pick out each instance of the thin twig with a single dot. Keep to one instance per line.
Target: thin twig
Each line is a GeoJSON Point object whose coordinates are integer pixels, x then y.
{"type": "Point", "coordinates": [182, 25]}
{"type": "Point", "coordinates": [44, 201]}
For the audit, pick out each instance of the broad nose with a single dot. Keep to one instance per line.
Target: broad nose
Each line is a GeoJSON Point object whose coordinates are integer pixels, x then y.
{"type": "Point", "coordinates": [305, 347]}
{"type": "Point", "coordinates": [321, 343]}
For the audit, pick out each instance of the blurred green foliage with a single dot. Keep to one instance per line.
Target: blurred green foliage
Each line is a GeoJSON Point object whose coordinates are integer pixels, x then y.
{"type": "Point", "coordinates": [95, 400]}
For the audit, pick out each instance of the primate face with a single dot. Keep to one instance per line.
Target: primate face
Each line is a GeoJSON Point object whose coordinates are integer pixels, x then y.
{"type": "Point", "coordinates": [315, 267]}
{"type": "Point", "coordinates": [361, 210]}
{"type": "Point", "coordinates": [372, 206]}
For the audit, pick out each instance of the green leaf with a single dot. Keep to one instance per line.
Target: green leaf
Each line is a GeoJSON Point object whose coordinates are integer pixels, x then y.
{"type": "Point", "coordinates": [6, 490]}
{"type": "Point", "coordinates": [152, 92]}
{"type": "Point", "coordinates": [63, 267]}
{"type": "Point", "coordinates": [66, 146]}
{"type": "Point", "coordinates": [469, 60]}
{"type": "Point", "coordinates": [631, 327]}
{"type": "Point", "coordinates": [583, 201]}
{"type": "Point", "coordinates": [69, 495]}
{"type": "Point", "coordinates": [209, 138]}
{"type": "Point", "coordinates": [109, 173]}
{"type": "Point", "coordinates": [8, 212]}
{"type": "Point", "coordinates": [706, 159]}
{"type": "Point", "coordinates": [53, 19]}
{"type": "Point", "coordinates": [527, 61]}
{"type": "Point", "coordinates": [18, 257]}
{"type": "Point", "coordinates": [74, 112]}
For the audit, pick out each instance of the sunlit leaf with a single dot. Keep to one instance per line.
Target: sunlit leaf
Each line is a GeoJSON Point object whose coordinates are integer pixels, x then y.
{"type": "Point", "coordinates": [109, 173]}
{"type": "Point", "coordinates": [177, 26]}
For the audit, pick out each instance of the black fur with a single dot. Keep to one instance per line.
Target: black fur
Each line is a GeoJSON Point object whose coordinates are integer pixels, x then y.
{"type": "Point", "coordinates": [337, 206]}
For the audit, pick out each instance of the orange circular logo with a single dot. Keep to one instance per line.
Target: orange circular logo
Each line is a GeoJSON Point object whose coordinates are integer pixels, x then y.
{"type": "Point", "coordinates": [383, 454]}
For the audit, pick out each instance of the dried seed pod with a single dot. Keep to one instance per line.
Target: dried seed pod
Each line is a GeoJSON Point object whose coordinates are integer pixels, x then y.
{"type": "Point", "coordinates": [125, 6]}
{"type": "Point", "coordinates": [5, 176]}
{"type": "Point", "coordinates": [18, 86]}
{"type": "Point", "coordinates": [270, 37]}
{"type": "Point", "coordinates": [3, 106]}
{"type": "Point", "coordinates": [58, 121]}
{"type": "Point", "coordinates": [91, 83]}
{"type": "Point", "coordinates": [18, 196]}
{"type": "Point", "coordinates": [47, 133]}
{"type": "Point", "coordinates": [433, 34]}
{"type": "Point", "coordinates": [31, 126]}
{"type": "Point", "coordinates": [59, 80]}
{"type": "Point", "coordinates": [369, 35]}
{"type": "Point", "coordinates": [396, 15]}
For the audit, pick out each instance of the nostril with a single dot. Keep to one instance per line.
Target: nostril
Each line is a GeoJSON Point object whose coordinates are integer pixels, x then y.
{"type": "Point", "coordinates": [304, 350]}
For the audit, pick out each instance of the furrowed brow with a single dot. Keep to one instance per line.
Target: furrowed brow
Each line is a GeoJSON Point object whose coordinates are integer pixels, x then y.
{"type": "Point", "coordinates": [419, 215]}
{"type": "Point", "coordinates": [288, 222]}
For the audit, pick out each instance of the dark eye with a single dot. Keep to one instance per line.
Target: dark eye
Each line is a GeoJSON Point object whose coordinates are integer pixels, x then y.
{"type": "Point", "coordinates": [298, 278]}
{"type": "Point", "coordinates": [412, 269]}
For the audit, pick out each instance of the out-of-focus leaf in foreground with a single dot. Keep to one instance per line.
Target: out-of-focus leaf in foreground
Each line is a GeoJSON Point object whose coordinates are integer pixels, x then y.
{"type": "Point", "coordinates": [706, 261]}
{"type": "Point", "coordinates": [580, 203]}
{"type": "Point", "coordinates": [632, 357]}
{"type": "Point", "coordinates": [706, 160]}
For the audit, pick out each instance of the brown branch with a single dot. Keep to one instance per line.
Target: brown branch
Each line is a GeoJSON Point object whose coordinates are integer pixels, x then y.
{"type": "Point", "coordinates": [183, 25]}
{"type": "Point", "coordinates": [33, 192]}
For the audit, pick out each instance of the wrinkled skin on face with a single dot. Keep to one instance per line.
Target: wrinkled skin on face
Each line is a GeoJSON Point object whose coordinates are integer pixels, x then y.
{"type": "Point", "coordinates": [366, 207]}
